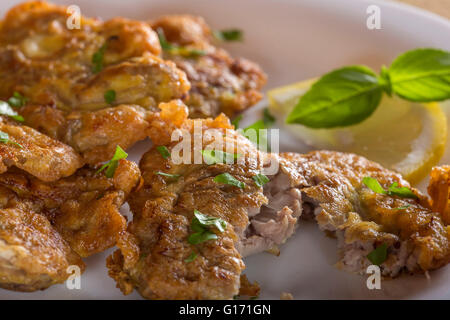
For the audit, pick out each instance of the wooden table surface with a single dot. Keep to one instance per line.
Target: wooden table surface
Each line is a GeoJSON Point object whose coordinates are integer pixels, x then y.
{"type": "Point", "coordinates": [441, 7]}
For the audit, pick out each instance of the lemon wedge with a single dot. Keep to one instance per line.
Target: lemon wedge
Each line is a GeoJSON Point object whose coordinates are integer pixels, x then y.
{"type": "Point", "coordinates": [401, 135]}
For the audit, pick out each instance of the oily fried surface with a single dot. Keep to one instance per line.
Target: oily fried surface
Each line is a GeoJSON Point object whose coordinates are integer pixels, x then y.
{"type": "Point", "coordinates": [417, 237]}
{"type": "Point", "coordinates": [33, 255]}
{"type": "Point", "coordinates": [53, 68]}
{"type": "Point", "coordinates": [439, 191]}
{"type": "Point", "coordinates": [153, 251]}
{"type": "Point", "coordinates": [38, 154]}
{"type": "Point", "coordinates": [83, 208]}
{"type": "Point", "coordinates": [219, 83]}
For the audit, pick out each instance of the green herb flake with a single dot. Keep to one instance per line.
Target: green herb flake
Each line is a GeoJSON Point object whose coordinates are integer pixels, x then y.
{"type": "Point", "coordinates": [227, 178]}
{"type": "Point", "coordinates": [177, 50]}
{"type": "Point", "coordinates": [236, 121]}
{"type": "Point", "coordinates": [17, 100]}
{"type": "Point", "coordinates": [5, 109]}
{"type": "Point", "coordinates": [97, 59]}
{"type": "Point", "coordinates": [216, 156]}
{"type": "Point", "coordinates": [228, 35]}
{"type": "Point", "coordinates": [163, 151]}
{"type": "Point", "coordinates": [403, 207]}
{"type": "Point", "coordinates": [172, 176]}
{"type": "Point", "coordinates": [379, 255]}
{"type": "Point", "coordinates": [112, 164]}
{"type": "Point", "coordinates": [260, 179]}
{"type": "Point", "coordinates": [373, 185]}
{"type": "Point", "coordinates": [200, 237]}
{"type": "Point", "coordinates": [191, 257]}
{"type": "Point", "coordinates": [403, 192]}
{"type": "Point", "coordinates": [201, 224]}
{"type": "Point", "coordinates": [110, 96]}
{"type": "Point", "coordinates": [4, 138]}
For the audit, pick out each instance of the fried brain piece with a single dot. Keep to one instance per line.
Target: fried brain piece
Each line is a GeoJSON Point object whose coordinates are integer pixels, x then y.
{"type": "Point", "coordinates": [36, 153]}
{"type": "Point", "coordinates": [219, 83]}
{"type": "Point", "coordinates": [83, 208]}
{"type": "Point", "coordinates": [65, 75]}
{"type": "Point", "coordinates": [153, 252]}
{"type": "Point", "coordinates": [33, 256]}
{"type": "Point", "coordinates": [417, 239]}
{"type": "Point", "coordinates": [439, 191]}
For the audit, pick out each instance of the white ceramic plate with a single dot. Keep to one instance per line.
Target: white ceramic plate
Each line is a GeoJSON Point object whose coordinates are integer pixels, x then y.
{"type": "Point", "coordinates": [292, 40]}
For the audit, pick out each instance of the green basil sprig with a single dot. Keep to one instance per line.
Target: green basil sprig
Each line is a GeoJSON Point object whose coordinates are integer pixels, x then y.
{"type": "Point", "coordinates": [349, 95]}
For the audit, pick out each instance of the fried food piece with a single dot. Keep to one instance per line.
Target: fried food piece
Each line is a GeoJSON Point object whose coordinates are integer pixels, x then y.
{"type": "Point", "coordinates": [36, 153]}
{"type": "Point", "coordinates": [219, 83]}
{"type": "Point", "coordinates": [416, 237]}
{"type": "Point", "coordinates": [65, 75]}
{"type": "Point", "coordinates": [33, 256]}
{"type": "Point", "coordinates": [153, 253]}
{"type": "Point", "coordinates": [439, 191]}
{"type": "Point", "coordinates": [83, 208]}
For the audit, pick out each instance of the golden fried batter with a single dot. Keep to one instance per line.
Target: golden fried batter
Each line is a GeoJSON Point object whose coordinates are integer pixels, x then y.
{"type": "Point", "coordinates": [219, 83]}
{"type": "Point", "coordinates": [36, 153]}
{"type": "Point", "coordinates": [417, 239]}
{"type": "Point", "coordinates": [439, 191]}
{"type": "Point", "coordinates": [33, 256]}
{"type": "Point", "coordinates": [65, 74]}
{"type": "Point", "coordinates": [83, 208]}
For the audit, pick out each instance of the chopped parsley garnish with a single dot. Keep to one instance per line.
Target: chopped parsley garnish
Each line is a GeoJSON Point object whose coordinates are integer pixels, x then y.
{"type": "Point", "coordinates": [236, 121]}
{"type": "Point", "coordinates": [163, 151]}
{"type": "Point", "coordinates": [112, 164]}
{"type": "Point", "coordinates": [17, 100]}
{"type": "Point", "coordinates": [227, 178]}
{"type": "Point", "coordinates": [217, 156]}
{"type": "Point", "coordinates": [172, 176]}
{"type": "Point", "coordinates": [191, 257]}
{"type": "Point", "coordinates": [228, 35]}
{"type": "Point", "coordinates": [379, 255]}
{"type": "Point", "coordinates": [4, 138]}
{"type": "Point", "coordinates": [5, 109]}
{"type": "Point", "coordinates": [177, 50]}
{"type": "Point", "coordinates": [110, 96]}
{"type": "Point", "coordinates": [201, 225]}
{"type": "Point", "coordinates": [97, 59]}
{"type": "Point", "coordinates": [393, 190]}
{"type": "Point", "coordinates": [260, 179]}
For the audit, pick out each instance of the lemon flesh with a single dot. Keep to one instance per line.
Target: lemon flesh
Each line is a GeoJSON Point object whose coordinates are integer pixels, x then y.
{"type": "Point", "coordinates": [401, 135]}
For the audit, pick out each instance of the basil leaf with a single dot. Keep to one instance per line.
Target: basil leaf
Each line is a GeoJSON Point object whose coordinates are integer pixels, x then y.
{"type": "Point", "coordinates": [112, 164]}
{"type": "Point", "coordinates": [421, 75]}
{"type": "Point", "coordinates": [342, 97]}
{"type": "Point", "coordinates": [236, 121]}
{"type": "Point", "coordinates": [17, 100]}
{"type": "Point", "coordinates": [205, 221]}
{"type": "Point", "coordinates": [199, 237]}
{"type": "Point", "coordinates": [110, 96]}
{"type": "Point", "coordinates": [260, 140]}
{"type": "Point", "coordinates": [4, 138]}
{"type": "Point", "coordinates": [173, 176]}
{"type": "Point", "coordinates": [191, 257]}
{"type": "Point", "coordinates": [163, 151]}
{"type": "Point", "coordinates": [373, 185]}
{"type": "Point", "coordinates": [228, 35]}
{"type": "Point", "coordinates": [260, 179]}
{"type": "Point", "coordinates": [6, 110]}
{"type": "Point", "coordinates": [268, 119]}
{"type": "Point", "coordinates": [379, 255]}
{"type": "Point", "coordinates": [404, 192]}
{"type": "Point", "coordinates": [227, 178]}
{"type": "Point", "coordinates": [216, 156]}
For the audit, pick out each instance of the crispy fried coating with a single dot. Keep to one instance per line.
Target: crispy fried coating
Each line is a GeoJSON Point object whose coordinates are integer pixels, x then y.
{"type": "Point", "coordinates": [33, 256]}
{"type": "Point", "coordinates": [219, 83]}
{"type": "Point", "coordinates": [65, 74]}
{"type": "Point", "coordinates": [83, 208]}
{"type": "Point", "coordinates": [153, 251]}
{"type": "Point", "coordinates": [417, 238]}
{"type": "Point", "coordinates": [439, 191]}
{"type": "Point", "coordinates": [36, 153]}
